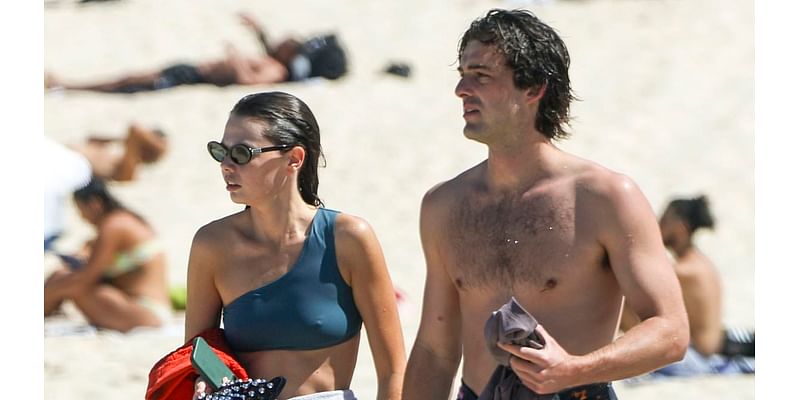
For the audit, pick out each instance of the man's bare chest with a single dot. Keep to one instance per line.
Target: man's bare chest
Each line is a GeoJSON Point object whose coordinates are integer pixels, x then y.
{"type": "Point", "coordinates": [527, 241]}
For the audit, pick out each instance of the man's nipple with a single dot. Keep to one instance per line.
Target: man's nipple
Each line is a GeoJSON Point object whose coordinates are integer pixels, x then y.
{"type": "Point", "coordinates": [550, 284]}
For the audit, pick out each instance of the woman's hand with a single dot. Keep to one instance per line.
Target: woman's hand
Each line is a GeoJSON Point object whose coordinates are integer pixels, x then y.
{"type": "Point", "coordinates": [200, 387]}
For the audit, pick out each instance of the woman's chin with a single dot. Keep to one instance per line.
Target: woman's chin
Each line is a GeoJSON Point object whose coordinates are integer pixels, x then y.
{"type": "Point", "coordinates": [236, 198]}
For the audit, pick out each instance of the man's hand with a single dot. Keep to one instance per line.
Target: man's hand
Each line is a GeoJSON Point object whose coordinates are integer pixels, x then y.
{"type": "Point", "coordinates": [544, 371]}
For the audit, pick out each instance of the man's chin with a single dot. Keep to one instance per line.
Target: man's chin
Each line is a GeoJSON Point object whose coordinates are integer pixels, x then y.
{"type": "Point", "coordinates": [474, 134]}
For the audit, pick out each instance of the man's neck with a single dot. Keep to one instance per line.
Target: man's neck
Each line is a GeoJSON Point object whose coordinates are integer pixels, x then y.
{"type": "Point", "coordinates": [682, 249]}
{"type": "Point", "coordinates": [515, 166]}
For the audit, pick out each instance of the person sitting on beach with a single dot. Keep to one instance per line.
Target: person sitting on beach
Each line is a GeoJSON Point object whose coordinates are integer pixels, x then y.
{"type": "Point", "coordinates": [289, 60]}
{"type": "Point", "coordinates": [291, 280]}
{"type": "Point", "coordinates": [119, 280]}
{"type": "Point", "coordinates": [713, 348]}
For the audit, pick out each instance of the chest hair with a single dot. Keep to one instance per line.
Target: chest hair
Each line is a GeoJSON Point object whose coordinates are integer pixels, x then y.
{"type": "Point", "coordinates": [511, 241]}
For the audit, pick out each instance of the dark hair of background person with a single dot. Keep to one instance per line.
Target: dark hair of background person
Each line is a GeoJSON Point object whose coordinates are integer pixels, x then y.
{"type": "Point", "coordinates": [694, 212]}
{"type": "Point", "coordinates": [97, 189]}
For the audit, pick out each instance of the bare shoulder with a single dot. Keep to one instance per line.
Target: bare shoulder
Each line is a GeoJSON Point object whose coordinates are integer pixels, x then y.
{"type": "Point", "coordinates": [444, 194]}
{"type": "Point", "coordinates": [217, 233]}
{"type": "Point", "coordinates": [694, 267]}
{"type": "Point", "coordinates": [605, 187]}
{"type": "Point", "coordinates": [357, 246]}
{"type": "Point", "coordinates": [121, 222]}
{"type": "Point", "coordinates": [351, 229]}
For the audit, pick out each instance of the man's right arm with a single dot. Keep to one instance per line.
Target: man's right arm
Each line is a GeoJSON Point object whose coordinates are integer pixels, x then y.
{"type": "Point", "coordinates": [437, 349]}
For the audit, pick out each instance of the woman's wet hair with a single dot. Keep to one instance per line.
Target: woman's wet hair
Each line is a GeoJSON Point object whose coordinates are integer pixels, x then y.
{"type": "Point", "coordinates": [694, 212]}
{"type": "Point", "coordinates": [537, 56]}
{"type": "Point", "coordinates": [288, 120]}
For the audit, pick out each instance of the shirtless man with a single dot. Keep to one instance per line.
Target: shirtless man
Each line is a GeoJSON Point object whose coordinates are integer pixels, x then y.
{"type": "Point", "coordinates": [713, 347]}
{"type": "Point", "coordinates": [289, 60]}
{"type": "Point", "coordinates": [568, 238]}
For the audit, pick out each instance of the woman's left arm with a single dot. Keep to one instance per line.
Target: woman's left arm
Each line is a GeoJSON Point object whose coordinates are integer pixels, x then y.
{"type": "Point", "coordinates": [362, 264]}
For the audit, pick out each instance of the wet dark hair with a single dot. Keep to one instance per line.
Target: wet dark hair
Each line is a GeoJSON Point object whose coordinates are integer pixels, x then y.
{"type": "Point", "coordinates": [694, 212]}
{"type": "Point", "coordinates": [288, 120]}
{"type": "Point", "coordinates": [97, 189]}
{"type": "Point", "coordinates": [537, 55]}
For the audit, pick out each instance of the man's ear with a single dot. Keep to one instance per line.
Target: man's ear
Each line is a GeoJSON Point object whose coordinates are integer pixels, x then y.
{"type": "Point", "coordinates": [297, 155]}
{"type": "Point", "coordinates": [535, 93]}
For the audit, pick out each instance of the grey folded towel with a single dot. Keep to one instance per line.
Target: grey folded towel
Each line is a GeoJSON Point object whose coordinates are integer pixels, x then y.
{"type": "Point", "coordinates": [510, 324]}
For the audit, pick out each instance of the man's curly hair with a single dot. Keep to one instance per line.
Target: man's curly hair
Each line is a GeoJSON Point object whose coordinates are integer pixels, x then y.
{"type": "Point", "coordinates": [536, 54]}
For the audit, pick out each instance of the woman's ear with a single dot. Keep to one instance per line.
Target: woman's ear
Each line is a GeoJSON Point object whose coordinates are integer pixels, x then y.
{"type": "Point", "coordinates": [297, 155]}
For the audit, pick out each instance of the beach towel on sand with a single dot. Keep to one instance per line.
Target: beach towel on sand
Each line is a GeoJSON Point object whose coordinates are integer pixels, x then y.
{"type": "Point", "coordinates": [173, 376]}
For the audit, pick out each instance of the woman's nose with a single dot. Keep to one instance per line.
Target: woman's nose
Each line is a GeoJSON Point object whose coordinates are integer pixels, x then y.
{"type": "Point", "coordinates": [227, 163]}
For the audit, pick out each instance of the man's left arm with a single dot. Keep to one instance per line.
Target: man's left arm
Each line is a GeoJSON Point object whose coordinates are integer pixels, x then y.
{"type": "Point", "coordinates": [632, 240]}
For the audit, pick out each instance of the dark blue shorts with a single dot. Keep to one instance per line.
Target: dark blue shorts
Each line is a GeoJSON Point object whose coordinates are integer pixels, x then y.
{"type": "Point", "coordinates": [595, 391]}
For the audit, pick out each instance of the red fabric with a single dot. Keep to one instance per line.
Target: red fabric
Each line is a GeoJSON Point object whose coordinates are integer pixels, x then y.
{"type": "Point", "coordinates": [172, 377]}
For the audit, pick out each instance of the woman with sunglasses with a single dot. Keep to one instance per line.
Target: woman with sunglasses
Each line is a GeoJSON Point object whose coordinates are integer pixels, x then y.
{"type": "Point", "coordinates": [291, 281]}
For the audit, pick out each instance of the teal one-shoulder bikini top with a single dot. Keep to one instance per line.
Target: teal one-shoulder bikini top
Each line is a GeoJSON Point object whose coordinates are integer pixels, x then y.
{"type": "Point", "coordinates": [309, 307]}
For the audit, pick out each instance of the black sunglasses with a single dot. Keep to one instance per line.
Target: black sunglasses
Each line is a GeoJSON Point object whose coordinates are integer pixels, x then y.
{"type": "Point", "coordinates": [240, 153]}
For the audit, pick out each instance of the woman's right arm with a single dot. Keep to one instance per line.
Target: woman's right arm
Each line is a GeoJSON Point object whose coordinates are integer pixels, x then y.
{"type": "Point", "coordinates": [203, 302]}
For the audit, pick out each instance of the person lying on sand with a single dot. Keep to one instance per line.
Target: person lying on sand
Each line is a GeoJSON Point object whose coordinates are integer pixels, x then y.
{"type": "Point", "coordinates": [292, 59]}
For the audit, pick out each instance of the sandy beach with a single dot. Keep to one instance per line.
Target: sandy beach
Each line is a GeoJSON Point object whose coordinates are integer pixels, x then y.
{"type": "Point", "coordinates": [667, 97]}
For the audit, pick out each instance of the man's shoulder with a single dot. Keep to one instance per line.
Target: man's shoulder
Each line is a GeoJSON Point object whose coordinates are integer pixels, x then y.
{"type": "Point", "coordinates": [448, 190]}
{"type": "Point", "coordinates": [597, 180]}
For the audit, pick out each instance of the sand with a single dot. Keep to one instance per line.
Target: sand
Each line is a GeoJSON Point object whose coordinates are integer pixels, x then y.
{"type": "Point", "coordinates": [666, 91]}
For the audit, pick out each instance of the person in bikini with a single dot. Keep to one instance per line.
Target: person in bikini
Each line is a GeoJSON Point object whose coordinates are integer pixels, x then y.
{"type": "Point", "coordinates": [119, 280]}
{"type": "Point", "coordinates": [288, 60]}
{"type": "Point", "coordinates": [566, 237]}
{"type": "Point", "coordinates": [100, 157]}
{"type": "Point", "coordinates": [291, 281]}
